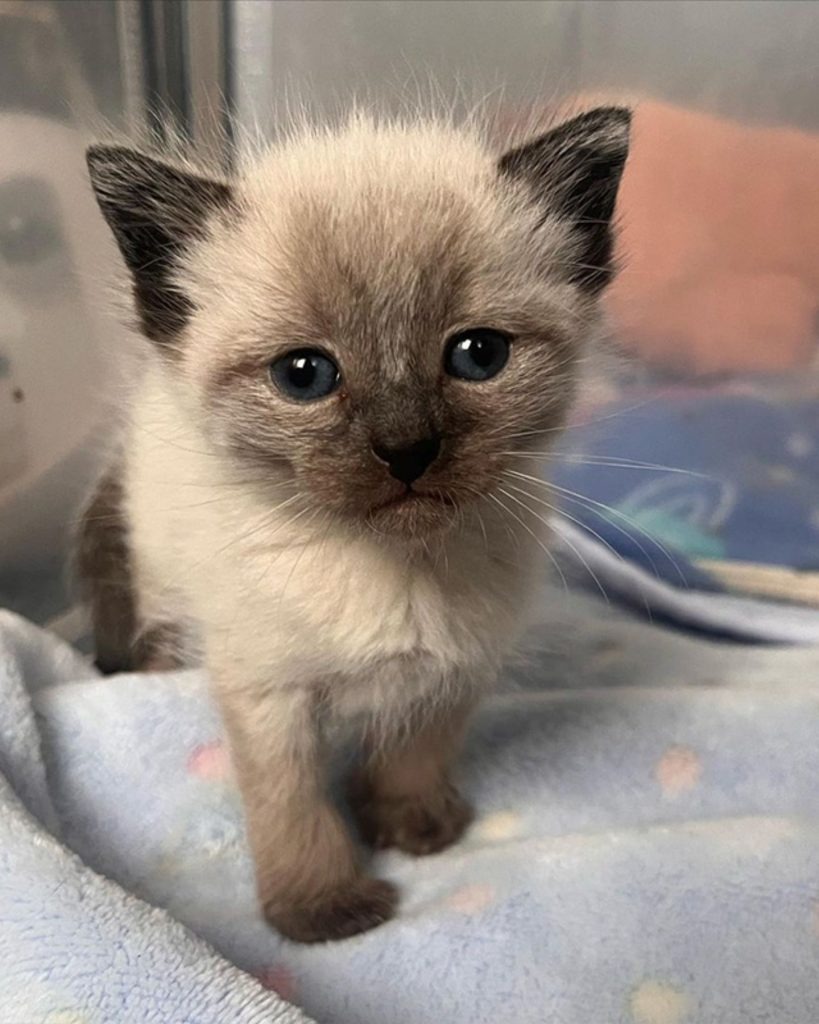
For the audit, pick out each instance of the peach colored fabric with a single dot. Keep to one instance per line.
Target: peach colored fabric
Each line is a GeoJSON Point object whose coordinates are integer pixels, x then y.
{"type": "Point", "coordinates": [719, 243]}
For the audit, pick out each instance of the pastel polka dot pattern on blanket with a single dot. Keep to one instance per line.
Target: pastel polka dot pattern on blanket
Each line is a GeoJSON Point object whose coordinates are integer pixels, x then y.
{"type": "Point", "coordinates": [494, 828]}
{"type": "Point", "coordinates": [678, 771]}
{"type": "Point", "coordinates": [656, 1003]}
{"type": "Point", "coordinates": [210, 761]}
{"type": "Point", "coordinates": [471, 898]}
{"type": "Point", "coordinates": [279, 979]}
{"type": "Point", "coordinates": [644, 848]}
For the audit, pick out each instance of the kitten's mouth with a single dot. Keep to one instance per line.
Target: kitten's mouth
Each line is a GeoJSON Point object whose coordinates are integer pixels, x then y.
{"type": "Point", "coordinates": [410, 497]}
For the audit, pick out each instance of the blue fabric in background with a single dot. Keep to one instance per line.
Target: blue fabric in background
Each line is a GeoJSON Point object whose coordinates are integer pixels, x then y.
{"type": "Point", "coordinates": [742, 483]}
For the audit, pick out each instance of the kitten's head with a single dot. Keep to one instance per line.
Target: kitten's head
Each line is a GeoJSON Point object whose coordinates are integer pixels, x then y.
{"type": "Point", "coordinates": [380, 315]}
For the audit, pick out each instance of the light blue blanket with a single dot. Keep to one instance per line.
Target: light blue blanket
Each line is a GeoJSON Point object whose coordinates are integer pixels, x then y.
{"type": "Point", "coordinates": [645, 851]}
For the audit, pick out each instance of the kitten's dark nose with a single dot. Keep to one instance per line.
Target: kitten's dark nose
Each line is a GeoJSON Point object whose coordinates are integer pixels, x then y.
{"type": "Point", "coordinates": [410, 461]}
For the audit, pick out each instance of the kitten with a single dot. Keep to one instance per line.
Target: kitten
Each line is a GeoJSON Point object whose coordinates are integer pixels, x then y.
{"type": "Point", "coordinates": [351, 341]}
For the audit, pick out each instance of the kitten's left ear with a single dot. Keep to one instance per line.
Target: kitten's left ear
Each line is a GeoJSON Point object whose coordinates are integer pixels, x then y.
{"type": "Point", "coordinates": [155, 210]}
{"type": "Point", "coordinates": [574, 171]}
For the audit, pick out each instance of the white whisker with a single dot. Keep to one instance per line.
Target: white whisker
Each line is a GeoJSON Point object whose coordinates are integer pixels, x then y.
{"type": "Point", "coordinates": [578, 459]}
{"type": "Point", "coordinates": [532, 533]}
{"type": "Point", "coordinates": [604, 511]}
{"type": "Point", "coordinates": [579, 556]}
{"type": "Point", "coordinates": [584, 526]}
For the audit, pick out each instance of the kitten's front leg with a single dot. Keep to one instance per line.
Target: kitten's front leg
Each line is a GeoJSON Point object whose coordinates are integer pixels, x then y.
{"type": "Point", "coordinates": [403, 796]}
{"type": "Point", "coordinates": [309, 881]}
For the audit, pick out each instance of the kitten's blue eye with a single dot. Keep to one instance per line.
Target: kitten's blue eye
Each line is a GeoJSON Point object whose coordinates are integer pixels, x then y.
{"type": "Point", "coordinates": [476, 354]}
{"type": "Point", "coordinates": [305, 374]}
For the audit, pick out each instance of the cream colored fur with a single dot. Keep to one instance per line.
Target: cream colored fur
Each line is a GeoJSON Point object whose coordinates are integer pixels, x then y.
{"type": "Point", "coordinates": [244, 522]}
{"type": "Point", "coordinates": [289, 598]}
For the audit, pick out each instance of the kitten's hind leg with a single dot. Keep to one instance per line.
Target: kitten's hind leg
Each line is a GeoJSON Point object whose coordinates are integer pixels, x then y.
{"type": "Point", "coordinates": [403, 796]}
{"type": "Point", "coordinates": [104, 566]}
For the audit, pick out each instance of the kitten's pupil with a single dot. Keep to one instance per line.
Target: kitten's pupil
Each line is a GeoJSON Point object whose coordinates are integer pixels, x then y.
{"type": "Point", "coordinates": [481, 351]}
{"type": "Point", "coordinates": [301, 372]}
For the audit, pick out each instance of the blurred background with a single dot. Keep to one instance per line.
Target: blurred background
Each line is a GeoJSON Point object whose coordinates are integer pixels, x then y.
{"type": "Point", "coordinates": [717, 305]}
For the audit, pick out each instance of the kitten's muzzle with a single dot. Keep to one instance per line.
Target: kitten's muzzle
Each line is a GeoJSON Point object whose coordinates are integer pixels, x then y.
{"type": "Point", "coordinates": [409, 462]}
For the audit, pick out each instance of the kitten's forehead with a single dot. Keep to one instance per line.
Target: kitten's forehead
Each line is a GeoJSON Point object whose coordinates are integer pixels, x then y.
{"type": "Point", "coordinates": [372, 163]}
{"type": "Point", "coordinates": [380, 234]}
{"type": "Point", "coordinates": [375, 202]}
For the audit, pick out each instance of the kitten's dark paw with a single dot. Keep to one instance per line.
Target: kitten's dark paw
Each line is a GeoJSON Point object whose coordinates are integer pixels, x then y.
{"type": "Point", "coordinates": [418, 825]}
{"type": "Point", "coordinates": [360, 904]}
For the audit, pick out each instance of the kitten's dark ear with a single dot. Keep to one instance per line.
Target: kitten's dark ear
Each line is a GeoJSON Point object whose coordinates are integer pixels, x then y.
{"type": "Point", "coordinates": [574, 170]}
{"type": "Point", "coordinates": [154, 210]}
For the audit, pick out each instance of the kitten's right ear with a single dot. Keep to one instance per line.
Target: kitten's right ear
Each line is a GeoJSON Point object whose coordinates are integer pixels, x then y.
{"type": "Point", "coordinates": [155, 210]}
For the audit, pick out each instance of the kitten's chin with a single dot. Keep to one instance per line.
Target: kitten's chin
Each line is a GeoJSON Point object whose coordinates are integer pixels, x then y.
{"type": "Point", "coordinates": [414, 515]}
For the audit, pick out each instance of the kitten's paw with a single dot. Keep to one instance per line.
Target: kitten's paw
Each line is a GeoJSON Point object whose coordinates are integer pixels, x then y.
{"type": "Point", "coordinates": [358, 905]}
{"type": "Point", "coordinates": [426, 823]}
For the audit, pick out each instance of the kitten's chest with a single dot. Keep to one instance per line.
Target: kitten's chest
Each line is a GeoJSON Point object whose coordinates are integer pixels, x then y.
{"type": "Point", "coordinates": [452, 612]}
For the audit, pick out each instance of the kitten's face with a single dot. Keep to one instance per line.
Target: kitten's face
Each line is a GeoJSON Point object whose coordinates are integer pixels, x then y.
{"type": "Point", "coordinates": [382, 318]}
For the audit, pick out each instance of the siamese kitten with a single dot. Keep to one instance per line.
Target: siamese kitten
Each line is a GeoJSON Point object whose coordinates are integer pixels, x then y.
{"type": "Point", "coordinates": [351, 344]}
